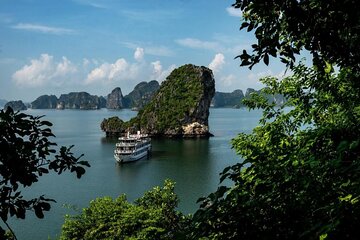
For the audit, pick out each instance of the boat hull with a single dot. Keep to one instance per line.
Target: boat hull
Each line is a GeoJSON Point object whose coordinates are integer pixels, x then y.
{"type": "Point", "coordinates": [124, 158]}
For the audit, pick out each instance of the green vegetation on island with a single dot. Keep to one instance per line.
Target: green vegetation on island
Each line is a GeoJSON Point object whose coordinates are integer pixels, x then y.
{"type": "Point", "coordinates": [179, 108]}
{"type": "Point", "coordinates": [113, 126]}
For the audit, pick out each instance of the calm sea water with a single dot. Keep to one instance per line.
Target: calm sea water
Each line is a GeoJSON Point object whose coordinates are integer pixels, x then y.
{"type": "Point", "coordinates": [193, 164]}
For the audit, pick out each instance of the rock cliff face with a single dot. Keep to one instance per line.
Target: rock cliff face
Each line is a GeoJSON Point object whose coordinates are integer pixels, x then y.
{"type": "Point", "coordinates": [45, 102]}
{"type": "Point", "coordinates": [16, 105]}
{"type": "Point", "coordinates": [102, 102]}
{"type": "Point", "coordinates": [79, 100]}
{"type": "Point", "coordinates": [115, 99]}
{"type": "Point", "coordinates": [180, 108]}
{"type": "Point", "coordinates": [141, 95]}
{"type": "Point", "coordinates": [223, 99]}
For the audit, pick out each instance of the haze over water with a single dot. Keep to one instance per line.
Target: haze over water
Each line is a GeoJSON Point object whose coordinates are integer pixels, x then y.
{"type": "Point", "coordinates": [194, 164]}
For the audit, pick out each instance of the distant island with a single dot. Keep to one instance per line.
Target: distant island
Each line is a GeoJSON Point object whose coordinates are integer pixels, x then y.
{"type": "Point", "coordinates": [16, 105]}
{"type": "Point", "coordinates": [137, 99]}
{"type": "Point", "coordinates": [73, 100]}
{"type": "Point", "coordinates": [234, 99]}
{"type": "Point", "coordinates": [180, 108]}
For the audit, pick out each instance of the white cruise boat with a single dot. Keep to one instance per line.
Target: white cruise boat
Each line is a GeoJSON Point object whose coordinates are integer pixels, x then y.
{"type": "Point", "coordinates": [132, 147]}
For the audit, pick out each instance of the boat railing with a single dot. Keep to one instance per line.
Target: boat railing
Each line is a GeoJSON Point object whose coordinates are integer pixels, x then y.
{"type": "Point", "coordinates": [121, 144]}
{"type": "Point", "coordinates": [117, 151]}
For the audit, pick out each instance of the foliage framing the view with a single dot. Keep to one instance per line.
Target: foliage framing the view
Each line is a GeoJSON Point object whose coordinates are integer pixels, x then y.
{"type": "Point", "coordinates": [26, 154]}
{"type": "Point", "coordinates": [152, 216]}
{"type": "Point", "coordinates": [300, 178]}
{"type": "Point", "coordinates": [301, 171]}
{"type": "Point", "coordinates": [328, 29]}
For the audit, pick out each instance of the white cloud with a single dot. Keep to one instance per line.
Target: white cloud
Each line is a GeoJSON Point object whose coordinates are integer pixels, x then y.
{"type": "Point", "coordinates": [65, 67]}
{"type": "Point", "coordinates": [36, 73]}
{"type": "Point", "coordinates": [157, 68]}
{"type": "Point", "coordinates": [139, 54]}
{"type": "Point", "coordinates": [228, 81]}
{"type": "Point", "coordinates": [43, 29]}
{"type": "Point", "coordinates": [234, 12]}
{"type": "Point", "coordinates": [118, 68]}
{"type": "Point", "coordinates": [98, 74]}
{"type": "Point", "coordinates": [198, 44]}
{"type": "Point", "coordinates": [217, 63]}
{"type": "Point", "coordinates": [44, 71]}
{"type": "Point", "coordinates": [119, 71]}
{"type": "Point", "coordinates": [158, 73]}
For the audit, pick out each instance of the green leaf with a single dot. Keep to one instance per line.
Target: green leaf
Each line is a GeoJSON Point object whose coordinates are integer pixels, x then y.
{"type": "Point", "coordinates": [328, 68]}
{"type": "Point", "coordinates": [244, 25]}
{"type": "Point", "coordinates": [38, 211]}
{"type": "Point", "coordinates": [266, 59]}
{"type": "Point", "coordinates": [323, 236]}
{"type": "Point", "coordinates": [79, 171]}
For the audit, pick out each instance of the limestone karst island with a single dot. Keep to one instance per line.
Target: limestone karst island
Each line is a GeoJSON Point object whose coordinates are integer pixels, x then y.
{"type": "Point", "coordinates": [180, 108]}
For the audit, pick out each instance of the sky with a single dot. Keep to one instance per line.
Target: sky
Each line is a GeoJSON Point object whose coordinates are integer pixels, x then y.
{"type": "Point", "coordinates": [54, 47]}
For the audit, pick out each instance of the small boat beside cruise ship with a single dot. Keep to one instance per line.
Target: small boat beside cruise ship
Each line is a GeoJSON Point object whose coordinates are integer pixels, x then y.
{"type": "Point", "coordinates": [132, 147]}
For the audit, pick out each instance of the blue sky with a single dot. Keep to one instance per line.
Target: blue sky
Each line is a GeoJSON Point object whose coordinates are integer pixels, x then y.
{"type": "Point", "coordinates": [54, 47]}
